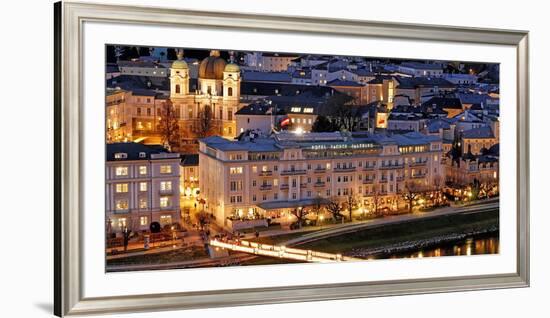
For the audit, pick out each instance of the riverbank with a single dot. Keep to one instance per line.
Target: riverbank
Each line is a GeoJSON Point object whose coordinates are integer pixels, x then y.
{"type": "Point", "coordinates": [412, 235]}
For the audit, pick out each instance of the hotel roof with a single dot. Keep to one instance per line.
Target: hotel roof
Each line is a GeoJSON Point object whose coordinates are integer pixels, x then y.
{"type": "Point", "coordinates": [478, 133]}
{"type": "Point", "coordinates": [133, 151]}
{"type": "Point", "coordinates": [334, 140]}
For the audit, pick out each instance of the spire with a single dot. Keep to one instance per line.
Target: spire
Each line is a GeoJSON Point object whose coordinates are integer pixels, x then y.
{"type": "Point", "coordinates": [231, 56]}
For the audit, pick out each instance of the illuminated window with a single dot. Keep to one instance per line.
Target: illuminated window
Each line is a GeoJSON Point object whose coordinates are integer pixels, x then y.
{"type": "Point", "coordinates": [143, 186]}
{"type": "Point", "coordinates": [142, 170]}
{"type": "Point", "coordinates": [121, 223]}
{"type": "Point", "coordinates": [254, 169]}
{"type": "Point", "coordinates": [296, 109]}
{"type": "Point", "coordinates": [121, 171]}
{"type": "Point", "coordinates": [165, 202]}
{"type": "Point", "coordinates": [121, 155]}
{"type": "Point", "coordinates": [275, 182]}
{"type": "Point", "coordinates": [236, 170]}
{"type": "Point", "coordinates": [143, 203]}
{"type": "Point", "coordinates": [143, 221]}
{"type": "Point", "coordinates": [121, 204]}
{"type": "Point", "coordinates": [166, 169]}
{"type": "Point", "coordinates": [308, 110]}
{"type": "Point", "coordinates": [121, 187]}
{"type": "Point", "coordinates": [165, 219]}
{"type": "Point", "coordinates": [166, 185]}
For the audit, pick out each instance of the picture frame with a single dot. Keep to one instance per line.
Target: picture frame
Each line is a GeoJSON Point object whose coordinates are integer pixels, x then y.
{"type": "Point", "coordinates": [69, 18]}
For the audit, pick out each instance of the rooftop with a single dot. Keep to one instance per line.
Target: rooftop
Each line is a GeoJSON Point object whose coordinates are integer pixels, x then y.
{"type": "Point", "coordinates": [135, 151]}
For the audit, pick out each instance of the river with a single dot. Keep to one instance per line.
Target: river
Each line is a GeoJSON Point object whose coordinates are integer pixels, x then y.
{"type": "Point", "coordinates": [487, 244]}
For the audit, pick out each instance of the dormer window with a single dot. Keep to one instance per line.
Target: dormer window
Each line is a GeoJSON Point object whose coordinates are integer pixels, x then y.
{"type": "Point", "coordinates": [142, 154]}
{"type": "Point", "coordinates": [121, 155]}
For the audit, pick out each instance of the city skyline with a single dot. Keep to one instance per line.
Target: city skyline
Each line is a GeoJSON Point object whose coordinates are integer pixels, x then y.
{"type": "Point", "coordinates": [247, 158]}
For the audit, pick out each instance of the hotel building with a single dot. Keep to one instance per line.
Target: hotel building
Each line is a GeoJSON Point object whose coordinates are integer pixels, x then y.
{"type": "Point", "coordinates": [142, 186]}
{"type": "Point", "coordinates": [245, 182]}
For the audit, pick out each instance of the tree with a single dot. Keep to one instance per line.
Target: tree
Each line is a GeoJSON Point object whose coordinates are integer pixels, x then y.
{"type": "Point", "coordinates": [351, 202]}
{"type": "Point", "coordinates": [412, 192]}
{"type": "Point", "coordinates": [300, 214]}
{"type": "Point", "coordinates": [317, 205]}
{"type": "Point", "coordinates": [323, 124]}
{"type": "Point", "coordinates": [205, 125]}
{"type": "Point", "coordinates": [169, 126]}
{"type": "Point", "coordinates": [437, 182]}
{"type": "Point", "coordinates": [334, 208]}
{"type": "Point", "coordinates": [376, 199]}
{"type": "Point", "coordinates": [171, 54]}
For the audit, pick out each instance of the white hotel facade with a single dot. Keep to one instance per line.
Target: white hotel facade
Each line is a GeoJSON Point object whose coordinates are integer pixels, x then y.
{"type": "Point", "coordinates": [269, 177]}
{"type": "Point", "coordinates": [142, 187]}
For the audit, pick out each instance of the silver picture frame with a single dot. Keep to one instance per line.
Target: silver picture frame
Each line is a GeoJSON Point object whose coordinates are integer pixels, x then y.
{"type": "Point", "coordinates": [68, 22]}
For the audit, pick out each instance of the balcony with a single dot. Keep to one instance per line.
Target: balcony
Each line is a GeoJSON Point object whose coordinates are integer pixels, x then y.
{"type": "Point", "coordinates": [319, 170]}
{"type": "Point", "coordinates": [292, 172]}
{"type": "Point", "coordinates": [369, 168]}
{"type": "Point", "coordinates": [383, 181]}
{"type": "Point", "coordinates": [166, 191]}
{"type": "Point", "coordinates": [265, 187]}
{"type": "Point", "coordinates": [387, 167]}
{"type": "Point", "coordinates": [283, 187]}
{"type": "Point", "coordinates": [266, 173]}
{"type": "Point", "coordinates": [368, 181]}
{"type": "Point", "coordinates": [419, 175]}
{"type": "Point", "coordinates": [303, 185]}
{"type": "Point", "coordinates": [319, 184]}
{"type": "Point", "coordinates": [399, 179]}
{"type": "Point", "coordinates": [346, 169]}
{"type": "Point", "coordinates": [417, 163]}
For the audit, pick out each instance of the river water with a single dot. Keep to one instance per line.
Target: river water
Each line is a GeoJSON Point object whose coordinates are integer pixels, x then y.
{"type": "Point", "coordinates": [488, 244]}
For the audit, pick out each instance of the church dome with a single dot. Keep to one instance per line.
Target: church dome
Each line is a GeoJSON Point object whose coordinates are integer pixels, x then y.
{"type": "Point", "coordinates": [180, 65]}
{"type": "Point", "coordinates": [232, 67]}
{"type": "Point", "coordinates": [212, 67]}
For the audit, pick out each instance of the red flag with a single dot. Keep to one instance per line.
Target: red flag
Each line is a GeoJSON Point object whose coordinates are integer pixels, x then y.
{"type": "Point", "coordinates": [285, 122]}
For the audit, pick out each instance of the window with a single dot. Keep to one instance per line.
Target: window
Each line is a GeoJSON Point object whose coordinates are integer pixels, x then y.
{"type": "Point", "coordinates": [142, 154]}
{"type": "Point", "coordinates": [166, 169]}
{"type": "Point", "coordinates": [143, 221]}
{"type": "Point", "coordinates": [143, 186]}
{"type": "Point", "coordinates": [142, 203]}
{"type": "Point", "coordinates": [236, 170]}
{"type": "Point", "coordinates": [166, 185]}
{"type": "Point", "coordinates": [121, 155]}
{"type": "Point", "coordinates": [275, 182]}
{"type": "Point", "coordinates": [229, 115]}
{"type": "Point", "coordinates": [264, 197]}
{"type": "Point", "coordinates": [230, 91]}
{"type": "Point", "coordinates": [121, 171]}
{"type": "Point", "coordinates": [165, 202]}
{"type": "Point", "coordinates": [121, 223]}
{"type": "Point", "coordinates": [121, 204]}
{"type": "Point", "coordinates": [178, 89]}
{"type": "Point", "coordinates": [294, 196]}
{"type": "Point", "coordinates": [142, 170]}
{"type": "Point", "coordinates": [254, 169]}
{"type": "Point", "coordinates": [236, 185]}
{"type": "Point", "coordinates": [275, 196]}
{"type": "Point", "coordinates": [121, 188]}
{"type": "Point", "coordinates": [165, 219]}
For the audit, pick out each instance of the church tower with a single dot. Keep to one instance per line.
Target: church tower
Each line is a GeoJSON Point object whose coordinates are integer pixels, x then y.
{"type": "Point", "coordinates": [231, 80]}
{"type": "Point", "coordinates": [179, 77]}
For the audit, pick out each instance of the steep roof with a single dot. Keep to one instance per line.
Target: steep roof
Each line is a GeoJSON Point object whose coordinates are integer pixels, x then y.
{"type": "Point", "coordinates": [478, 133]}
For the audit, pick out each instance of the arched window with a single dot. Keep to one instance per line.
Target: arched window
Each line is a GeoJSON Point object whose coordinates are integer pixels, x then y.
{"type": "Point", "coordinates": [178, 89]}
{"type": "Point", "coordinates": [230, 91]}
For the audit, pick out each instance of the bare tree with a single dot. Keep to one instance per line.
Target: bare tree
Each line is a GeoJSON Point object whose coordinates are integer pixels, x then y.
{"type": "Point", "coordinates": [205, 125]}
{"type": "Point", "coordinates": [376, 198]}
{"type": "Point", "coordinates": [334, 208]}
{"type": "Point", "coordinates": [351, 202]}
{"type": "Point", "coordinates": [300, 214]}
{"type": "Point", "coordinates": [169, 126]}
{"type": "Point", "coordinates": [412, 192]}
{"type": "Point", "coordinates": [317, 205]}
{"type": "Point", "coordinates": [437, 182]}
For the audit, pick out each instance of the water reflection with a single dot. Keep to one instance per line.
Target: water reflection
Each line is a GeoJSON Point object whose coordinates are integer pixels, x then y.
{"type": "Point", "coordinates": [469, 246]}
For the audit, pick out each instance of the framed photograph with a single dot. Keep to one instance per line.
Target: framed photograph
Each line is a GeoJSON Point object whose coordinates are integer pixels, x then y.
{"type": "Point", "coordinates": [208, 159]}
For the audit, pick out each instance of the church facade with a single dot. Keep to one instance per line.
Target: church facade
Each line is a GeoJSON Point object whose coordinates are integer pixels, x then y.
{"type": "Point", "coordinates": [208, 108]}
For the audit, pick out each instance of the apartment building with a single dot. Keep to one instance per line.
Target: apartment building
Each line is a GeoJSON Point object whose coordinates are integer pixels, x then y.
{"type": "Point", "coordinates": [256, 179]}
{"type": "Point", "coordinates": [142, 187]}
